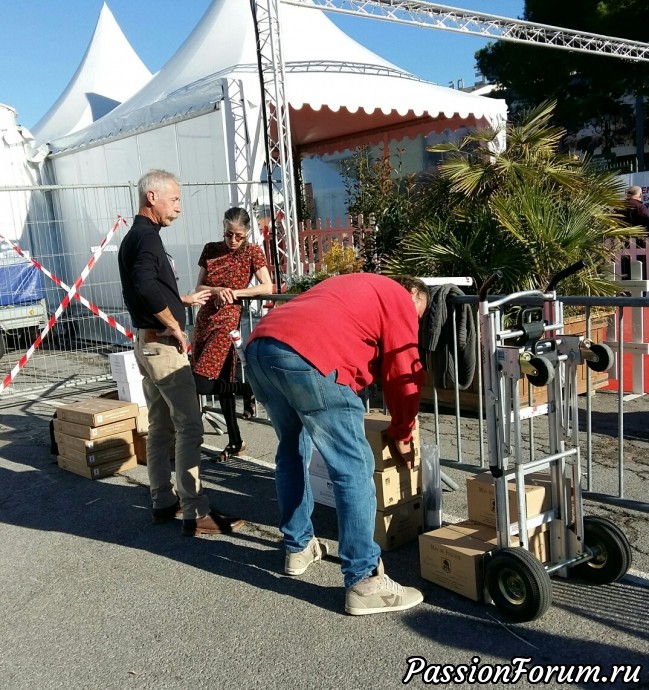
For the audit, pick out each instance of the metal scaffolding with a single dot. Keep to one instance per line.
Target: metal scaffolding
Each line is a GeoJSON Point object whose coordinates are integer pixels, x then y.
{"type": "Point", "coordinates": [279, 155]}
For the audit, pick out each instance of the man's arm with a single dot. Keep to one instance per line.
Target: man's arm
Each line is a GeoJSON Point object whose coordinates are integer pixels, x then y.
{"type": "Point", "coordinates": [173, 327]}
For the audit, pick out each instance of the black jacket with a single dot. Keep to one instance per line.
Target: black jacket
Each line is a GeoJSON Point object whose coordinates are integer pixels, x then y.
{"type": "Point", "coordinates": [147, 275]}
{"type": "Point", "coordinates": [436, 338]}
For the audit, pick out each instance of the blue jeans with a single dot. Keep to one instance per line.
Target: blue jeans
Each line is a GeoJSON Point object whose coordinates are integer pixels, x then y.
{"type": "Point", "coordinates": [308, 408]}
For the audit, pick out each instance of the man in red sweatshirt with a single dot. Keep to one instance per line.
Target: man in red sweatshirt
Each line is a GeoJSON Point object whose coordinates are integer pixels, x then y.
{"type": "Point", "coordinates": [306, 362]}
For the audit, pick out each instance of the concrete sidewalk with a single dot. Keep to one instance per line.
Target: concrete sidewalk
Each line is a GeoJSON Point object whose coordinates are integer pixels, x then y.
{"type": "Point", "coordinates": [94, 595]}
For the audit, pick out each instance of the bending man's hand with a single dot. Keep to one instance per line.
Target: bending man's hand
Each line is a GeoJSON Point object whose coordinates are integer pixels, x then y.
{"type": "Point", "coordinates": [406, 450]}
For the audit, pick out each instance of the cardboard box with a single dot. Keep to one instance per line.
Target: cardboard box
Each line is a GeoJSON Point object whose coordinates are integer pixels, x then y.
{"type": "Point", "coordinates": [100, 457]}
{"type": "Point", "coordinates": [538, 537]}
{"type": "Point", "coordinates": [92, 445]}
{"type": "Point", "coordinates": [451, 557]}
{"type": "Point", "coordinates": [96, 471]}
{"type": "Point", "coordinates": [123, 366]}
{"type": "Point", "coordinates": [399, 525]}
{"type": "Point", "coordinates": [481, 499]}
{"type": "Point", "coordinates": [131, 391]}
{"type": "Point", "coordinates": [392, 528]}
{"type": "Point", "coordinates": [92, 432]}
{"type": "Point", "coordinates": [139, 443]}
{"type": "Point", "coordinates": [142, 420]}
{"type": "Point", "coordinates": [385, 454]}
{"type": "Point", "coordinates": [96, 412]}
{"type": "Point", "coordinates": [395, 485]}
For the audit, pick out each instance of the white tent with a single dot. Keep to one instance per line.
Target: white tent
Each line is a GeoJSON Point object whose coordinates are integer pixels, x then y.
{"type": "Point", "coordinates": [338, 90]}
{"type": "Point", "coordinates": [200, 115]}
{"type": "Point", "coordinates": [17, 169]}
{"type": "Point", "coordinates": [109, 73]}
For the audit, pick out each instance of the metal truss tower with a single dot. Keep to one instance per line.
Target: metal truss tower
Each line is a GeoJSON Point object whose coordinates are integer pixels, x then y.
{"type": "Point", "coordinates": [280, 172]}
{"type": "Point", "coordinates": [281, 175]}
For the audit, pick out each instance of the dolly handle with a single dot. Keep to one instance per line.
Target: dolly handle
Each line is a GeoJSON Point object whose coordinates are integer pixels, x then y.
{"type": "Point", "coordinates": [482, 293]}
{"type": "Point", "coordinates": [558, 277]}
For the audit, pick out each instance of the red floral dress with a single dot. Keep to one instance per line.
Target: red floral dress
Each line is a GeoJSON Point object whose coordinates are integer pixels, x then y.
{"type": "Point", "coordinates": [212, 341]}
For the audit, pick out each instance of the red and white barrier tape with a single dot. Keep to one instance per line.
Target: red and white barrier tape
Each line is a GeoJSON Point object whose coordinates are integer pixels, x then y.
{"type": "Point", "coordinates": [62, 307]}
{"type": "Point", "coordinates": [55, 279]}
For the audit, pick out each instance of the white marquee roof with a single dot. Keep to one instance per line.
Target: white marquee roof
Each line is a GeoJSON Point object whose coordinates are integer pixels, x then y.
{"type": "Point", "coordinates": [338, 90]}
{"type": "Point", "coordinates": [109, 73]}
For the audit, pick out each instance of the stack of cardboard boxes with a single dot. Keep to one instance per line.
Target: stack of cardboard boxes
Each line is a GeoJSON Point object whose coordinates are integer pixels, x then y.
{"type": "Point", "coordinates": [400, 510]}
{"type": "Point", "coordinates": [126, 375]}
{"type": "Point", "coordinates": [95, 437]}
{"type": "Point", "coordinates": [453, 555]}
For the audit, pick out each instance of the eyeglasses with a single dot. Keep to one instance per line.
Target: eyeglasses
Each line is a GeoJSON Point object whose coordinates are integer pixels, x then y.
{"type": "Point", "coordinates": [232, 235]}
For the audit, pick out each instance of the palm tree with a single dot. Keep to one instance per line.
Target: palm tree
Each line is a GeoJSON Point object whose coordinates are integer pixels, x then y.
{"type": "Point", "coordinates": [526, 209]}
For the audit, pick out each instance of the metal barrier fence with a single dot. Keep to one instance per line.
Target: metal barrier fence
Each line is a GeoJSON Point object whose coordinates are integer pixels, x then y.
{"type": "Point", "coordinates": [624, 320]}
{"type": "Point", "coordinates": [60, 228]}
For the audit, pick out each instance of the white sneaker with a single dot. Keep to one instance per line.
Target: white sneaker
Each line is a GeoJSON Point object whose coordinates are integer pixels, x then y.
{"type": "Point", "coordinates": [297, 563]}
{"type": "Point", "coordinates": [379, 594]}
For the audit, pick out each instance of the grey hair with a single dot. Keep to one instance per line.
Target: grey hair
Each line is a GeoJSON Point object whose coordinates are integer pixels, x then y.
{"type": "Point", "coordinates": [237, 216]}
{"type": "Point", "coordinates": [154, 180]}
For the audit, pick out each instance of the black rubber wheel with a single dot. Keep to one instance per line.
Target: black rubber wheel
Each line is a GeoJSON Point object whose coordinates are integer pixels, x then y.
{"type": "Point", "coordinates": [544, 372]}
{"type": "Point", "coordinates": [518, 584]}
{"type": "Point", "coordinates": [605, 357]}
{"type": "Point", "coordinates": [611, 552]}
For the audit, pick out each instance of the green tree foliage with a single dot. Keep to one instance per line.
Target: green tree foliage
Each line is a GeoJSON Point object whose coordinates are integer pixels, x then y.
{"type": "Point", "coordinates": [377, 188]}
{"type": "Point", "coordinates": [528, 211]}
{"type": "Point", "coordinates": [588, 88]}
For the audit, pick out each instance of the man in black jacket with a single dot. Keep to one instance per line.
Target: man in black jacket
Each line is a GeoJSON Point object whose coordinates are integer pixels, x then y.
{"type": "Point", "coordinates": [158, 313]}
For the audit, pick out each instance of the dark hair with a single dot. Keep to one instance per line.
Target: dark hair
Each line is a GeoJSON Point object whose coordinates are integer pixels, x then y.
{"type": "Point", "coordinates": [409, 283]}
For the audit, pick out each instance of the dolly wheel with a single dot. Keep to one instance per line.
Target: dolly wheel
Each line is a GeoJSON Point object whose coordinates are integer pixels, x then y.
{"type": "Point", "coordinates": [544, 372]}
{"type": "Point", "coordinates": [518, 584]}
{"type": "Point", "coordinates": [604, 359]}
{"type": "Point", "coordinates": [610, 549]}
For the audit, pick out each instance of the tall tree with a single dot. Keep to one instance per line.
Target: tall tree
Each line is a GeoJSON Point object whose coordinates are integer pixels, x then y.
{"type": "Point", "coordinates": [588, 88]}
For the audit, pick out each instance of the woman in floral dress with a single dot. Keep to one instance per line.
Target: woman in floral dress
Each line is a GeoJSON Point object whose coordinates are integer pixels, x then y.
{"type": "Point", "coordinates": [226, 269]}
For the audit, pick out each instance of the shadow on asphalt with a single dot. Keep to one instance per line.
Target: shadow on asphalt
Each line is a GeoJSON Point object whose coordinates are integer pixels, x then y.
{"type": "Point", "coordinates": [621, 608]}
{"type": "Point", "coordinates": [606, 424]}
{"type": "Point", "coordinates": [36, 494]}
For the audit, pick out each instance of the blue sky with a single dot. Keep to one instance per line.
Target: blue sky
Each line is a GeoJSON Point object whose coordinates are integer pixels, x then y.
{"type": "Point", "coordinates": [43, 42]}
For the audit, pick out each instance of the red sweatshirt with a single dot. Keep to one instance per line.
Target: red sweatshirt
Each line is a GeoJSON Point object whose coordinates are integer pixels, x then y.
{"type": "Point", "coordinates": [363, 326]}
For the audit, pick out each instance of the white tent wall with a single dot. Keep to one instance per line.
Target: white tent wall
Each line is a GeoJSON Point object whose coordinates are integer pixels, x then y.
{"type": "Point", "coordinates": [186, 119]}
{"type": "Point", "coordinates": [193, 150]}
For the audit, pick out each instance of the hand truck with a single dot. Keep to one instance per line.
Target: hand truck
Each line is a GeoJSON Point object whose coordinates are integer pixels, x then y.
{"type": "Point", "coordinates": [594, 548]}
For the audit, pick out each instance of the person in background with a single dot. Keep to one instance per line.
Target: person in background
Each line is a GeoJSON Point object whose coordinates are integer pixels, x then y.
{"type": "Point", "coordinates": [306, 362]}
{"type": "Point", "coordinates": [158, 313]}
{"type": "Point", "coordinates": [635, 213]}
{"type": "Point", "coordinates": [226, 269]}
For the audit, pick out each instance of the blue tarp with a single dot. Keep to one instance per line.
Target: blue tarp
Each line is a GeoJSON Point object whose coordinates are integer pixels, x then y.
{"type": "Point", "coordinates": [20, 283]}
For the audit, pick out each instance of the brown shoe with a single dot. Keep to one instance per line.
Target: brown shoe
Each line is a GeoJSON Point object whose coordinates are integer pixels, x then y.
{"type": "Point", "coordinates": [212, 523]}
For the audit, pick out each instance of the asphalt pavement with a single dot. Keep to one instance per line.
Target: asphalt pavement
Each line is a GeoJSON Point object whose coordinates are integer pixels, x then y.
{"type": "Point", "coordinates": [95, 596]}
